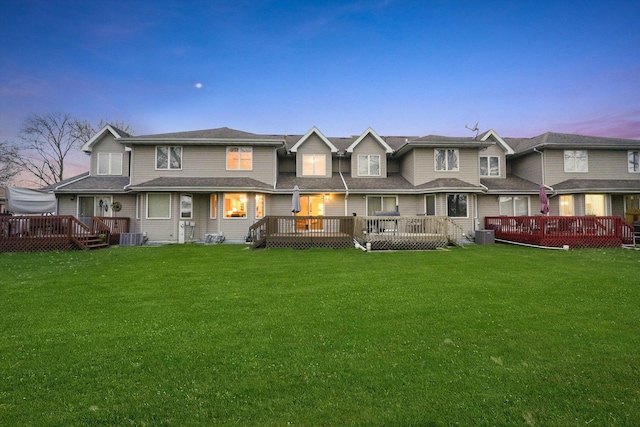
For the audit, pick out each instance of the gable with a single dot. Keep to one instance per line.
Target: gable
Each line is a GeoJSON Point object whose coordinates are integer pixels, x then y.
{"type": "Point", "coordinates": [492, 135]}
{"type": "Point", "coordinates": [107, 130]}
{"type": "Point", "coordinates": [314, 131]}
{"type": "Point", "coordinates": [370, 132]}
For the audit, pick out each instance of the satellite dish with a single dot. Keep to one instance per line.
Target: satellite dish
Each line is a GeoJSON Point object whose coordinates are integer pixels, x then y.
{"type": "Point", "coordinates": [473, 129]}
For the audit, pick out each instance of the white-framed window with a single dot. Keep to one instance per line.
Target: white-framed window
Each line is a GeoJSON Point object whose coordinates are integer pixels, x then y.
{"type": "Point", "coordinates": [576, 161]}
{"type": "Point", "coordinates": [446, 159]}
{"type": "Point", "coordinates": [381, 204]}
{"type": "Point", "coordinates": [240, 158]}
{"type": "Point", "coordinates": [158, 206]}
{"type": "Point", "coordinates": [368, 165]}
{"type": "Point", "coordinates": [457, 205]}
{"type": "Point", "coordinates": [213, 207]}
{"type": "Point", "coordinates": [186, 206]}
{"type": "Point", "coordinates": [109, 163]}
{"type": "Point", "coordinates": [430, 204]}
{"type": "Point", "coordinates": [514, 205]}
{"type": "Point", "coordinates": [634, 161]}
{"type": "Point", "coordinates": [595, 204]}
{"type": "Point", "coordinates": [566, 205]}
{"type": "Point", "coordinates": [259, 206]}
{"type": "Point", "coordinates": [489, 166]}
{"type": "Point", "coordinates": [168, 157]}
{"type": "Point", "coordinates": [314, 164]}
{"type": "Point", "coordinates": [235, 205]}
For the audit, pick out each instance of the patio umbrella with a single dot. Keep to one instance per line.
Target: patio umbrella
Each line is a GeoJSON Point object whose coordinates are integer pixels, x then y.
{"type": "Point", "coordinates": [295, 200]}
{"type": "Point", "coordinates": [544, 201]}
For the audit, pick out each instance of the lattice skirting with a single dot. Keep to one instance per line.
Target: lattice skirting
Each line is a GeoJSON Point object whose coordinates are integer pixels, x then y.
{"type": "Point", "coordinates": [35, 244]}
{"type": "Point", "coordinates": [310, 243]}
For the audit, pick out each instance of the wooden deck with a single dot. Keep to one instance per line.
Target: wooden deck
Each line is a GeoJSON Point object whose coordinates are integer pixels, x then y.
{"type": "Point", "coordinates": [57, 233]}
{"type": "Point", "coordinates": [558, 231]}
{"type": "Point", "coordinates": [375, 233]}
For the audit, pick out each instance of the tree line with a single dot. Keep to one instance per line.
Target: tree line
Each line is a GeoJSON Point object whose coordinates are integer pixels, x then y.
{"type": "Point", "coordinates": [44, 144]}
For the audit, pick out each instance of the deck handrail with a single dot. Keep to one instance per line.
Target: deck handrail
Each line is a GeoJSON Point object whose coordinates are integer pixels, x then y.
{"type": "Point", "coordinates": [557, 231]}
{"type": "Point", "coordinates": [301, 231]}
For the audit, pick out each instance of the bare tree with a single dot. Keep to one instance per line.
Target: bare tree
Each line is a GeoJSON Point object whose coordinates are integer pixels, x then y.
{"type": "Point", "coordinates": [8, 165]}
{"type": "Point", "coordinates": [46, 141]}
{"type": "Point", "coordinates": [120, 125]}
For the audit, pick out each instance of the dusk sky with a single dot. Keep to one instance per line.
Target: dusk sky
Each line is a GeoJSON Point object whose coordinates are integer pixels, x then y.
{"type": "Point", "coordinates": [401, 67]}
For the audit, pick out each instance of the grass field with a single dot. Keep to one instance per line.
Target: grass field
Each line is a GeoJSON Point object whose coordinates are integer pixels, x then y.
{"type": "Point", "coordinates": [222, 335]}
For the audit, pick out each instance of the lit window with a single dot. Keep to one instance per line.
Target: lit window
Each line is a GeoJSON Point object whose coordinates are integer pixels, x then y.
{"type": "Point", "coordinates": [259, 205]}
{"type": "Point", "coordinates": [594, 204]}
{"type": "Point", "coordinates": [109, 163]}
{"type": "Point", "coordinates": [457, 205]}
{"type": "Point", "coordinates": [368, 165]}
{"type": "Point", "coordinates": [566, 205]}
{"type": "Point", "coordinates": [214, 206]}
{"type": "Point", "coordinates": [634, 161]}
{"type": "Point", "coordinates": [314, 164]}
{"type": "Point", "coordinates": [446, 159]}
{"type": "Point", "coordinates": [159, 206]}
{"type": "Point", "coordinates": [489, 166]}
{"type": "Point", "coordinates": [239, 158]}
{"type": "Point", "coordinates": [235, 205]}
{"type": "Point", "coordinates": [576, 161]}
{"type": "Point", "coordinates": [514, 206]}
{"type": "Point", "coordinates": [186, 206]}
{"type": "Point", "coordinates": [168, 157]}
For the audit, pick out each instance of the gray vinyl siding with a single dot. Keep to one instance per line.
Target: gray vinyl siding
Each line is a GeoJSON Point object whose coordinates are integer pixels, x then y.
{"type": "Point", "coordinates": [66, 206]}
{"type": "Point", "coordinates": [314, 145]}
{"type": "Point", "coordinates": [369, 146]}
{"type": "Point", "coordinates": [528, 167]}
{"type": "Point", "coordinates": [602, 164]}
{"type": "Point", "coordinates": [468, 166]}
{"type": "Point", "coordinates": [108, 144]}
{"type": "Point", "coordinates": [487, 206]}
{"type": "Point", "coordinates": [204, 162]}
{"type": "Point", "coordinates": [408, 166]}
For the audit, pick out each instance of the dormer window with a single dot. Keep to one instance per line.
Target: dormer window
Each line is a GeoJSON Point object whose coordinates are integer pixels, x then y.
{"type": "Point", "coordinates": [109, 163]}
{"type": "Point", "coordinates": [368, 165]}
{"type": "Point", "coordinates": [314, 164]}
{"type": "Point", "coordinates": [489, 166]}
{"type": "Point", "coordinates": [168, 157]}
{"type": "Point", "coordinates": [446, 159]}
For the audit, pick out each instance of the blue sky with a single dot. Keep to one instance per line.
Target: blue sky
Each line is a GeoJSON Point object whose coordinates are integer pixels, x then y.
{"type": "Point", "coordinates": [401, 67]}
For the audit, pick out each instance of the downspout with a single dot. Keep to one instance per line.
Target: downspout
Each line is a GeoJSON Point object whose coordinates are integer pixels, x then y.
{"type": "Point", "coordinates": [544, 179]}
{"type": "Point", "coordinates": [346, 194]}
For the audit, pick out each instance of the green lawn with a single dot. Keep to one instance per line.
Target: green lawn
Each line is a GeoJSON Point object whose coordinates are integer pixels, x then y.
{"type": "Point", "coordinates": [222, 335]}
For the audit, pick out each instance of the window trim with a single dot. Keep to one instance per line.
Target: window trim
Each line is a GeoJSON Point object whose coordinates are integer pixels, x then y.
{"type": "Point", "coordinates": [446, 159]}
{"type": "Point", "coordinates": [513, 205]}
{"type": "Point", "coordinates": [488, 175]}
{"type": "Point", "coordinates": [240, 148]}
{"type": "Point", "coordinates": [213, 206]}
{"type": "Point", "coordinates": [246, 210]}
{"type": "Point", "coordinates": [324, 158]}
{"type": "Point", "coordinates": [264, 205]}
{"type": "Point", "coordinates": [110, 162]}
{"type": "Point", "coordinates": [637, 162]}
{"type": "Point", "coordinates": [147, 206]}
{"type": "Point", "coordinates": [169, 147]}
{"type": "Point", "coordinates": [368, 158]}
{"type": "Point", "coordinates": [435, 204]}
{"type": "Point", "coordinates": [573, 169]}
{"type": "Point", "coordinates": [466, 195]}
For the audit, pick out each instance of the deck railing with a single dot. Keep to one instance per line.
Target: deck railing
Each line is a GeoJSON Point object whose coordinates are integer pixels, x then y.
{"type": "Point", "coordinates": [302, 232]}
{"type": "Point", "coordinates": [558, 231]}
{"type": "Point", "coordinates": [407, 232]}
{"type": "Point", "coordinates": [54, 233]}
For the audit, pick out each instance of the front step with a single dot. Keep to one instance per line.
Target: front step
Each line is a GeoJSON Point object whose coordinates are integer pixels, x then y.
{"type": "Point", "coordinates": [96, 243]}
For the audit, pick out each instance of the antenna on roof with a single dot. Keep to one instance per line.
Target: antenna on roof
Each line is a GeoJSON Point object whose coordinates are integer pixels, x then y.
{"type": "Point", "coordinates": [473, 129]}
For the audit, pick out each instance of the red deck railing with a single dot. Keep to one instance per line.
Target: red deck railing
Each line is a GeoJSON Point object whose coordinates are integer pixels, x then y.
{"type": "Point", "coordinates": [557, 231]}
